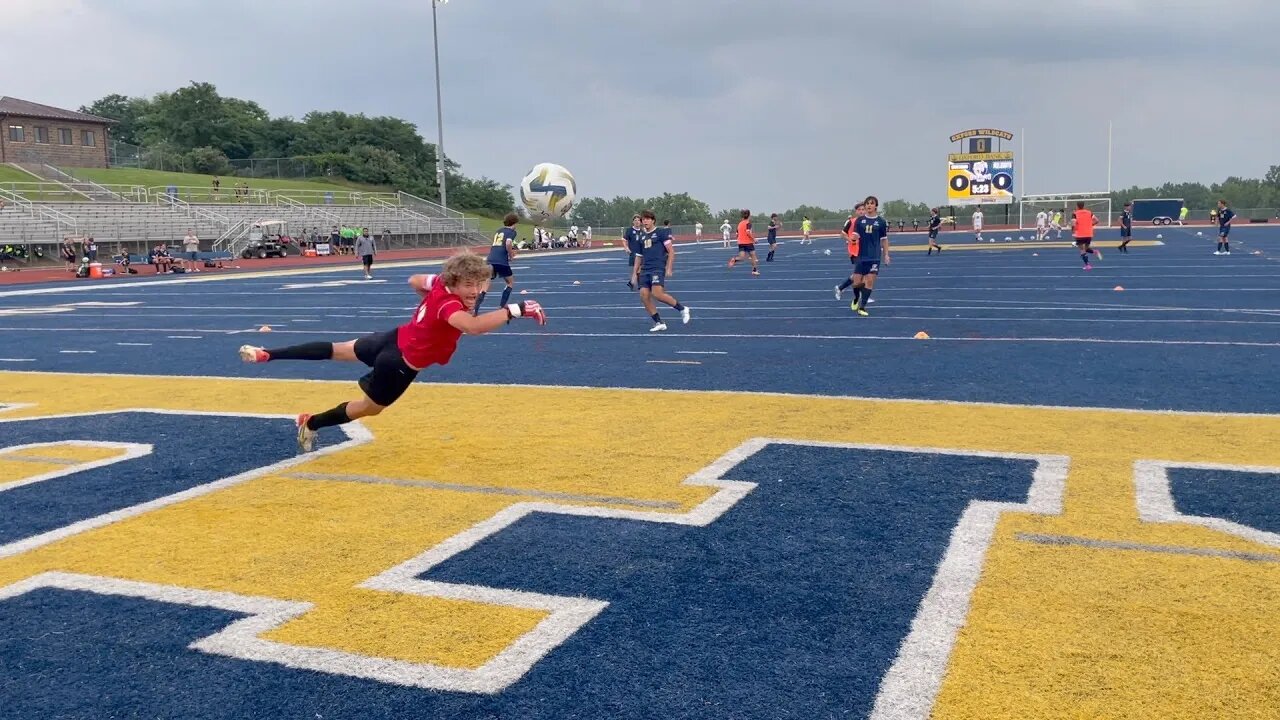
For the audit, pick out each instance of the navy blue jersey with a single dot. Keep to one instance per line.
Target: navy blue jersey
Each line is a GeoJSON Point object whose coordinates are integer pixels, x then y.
{"type": "Point", "coordinates": [1224, 217]}
{"type": "Point", "coordinates": [773, 230]}
{"type": "Point", "coordinates": [871, 231]}
{"type": "Point", "coordinates": [632, 236]}
{"type": "Point", "coordinates": [935, 222]}
{"type": "Point", "coordinates": [1126, 219]}
{"type": "Point", "coordinates": [498, 250]}
{"type": "Point", "coordinates": [654, 248]}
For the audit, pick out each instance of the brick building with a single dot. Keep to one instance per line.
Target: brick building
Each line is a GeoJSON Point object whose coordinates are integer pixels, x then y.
{"type": "Point", "coordinates": [35, 133]}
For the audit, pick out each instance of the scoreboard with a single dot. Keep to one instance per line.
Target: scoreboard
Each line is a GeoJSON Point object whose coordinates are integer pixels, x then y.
{"type": "Point", "coordinates": [981, 176]}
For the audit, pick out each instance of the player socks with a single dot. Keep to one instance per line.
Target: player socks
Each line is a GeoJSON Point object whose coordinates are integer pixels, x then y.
{"type": "Point", "coordinates": [480, 301]}
{"type": "Point", "coordinates": [678, 307]}
{"type": "Point", "coordinates": [769, 257]}
{"type": "Point", "coordinates": [656, 318]}
{"type": "Point", "coordinates": [866, 295]}
{"type": "Point", "coordinates": [1084, 256]}
{"type": "Point", "coordinates": [848, 283]}
{"type": "Point", "coordinates": [506, 295]}
{"type": "Point", "coordinates": [305, 351]}
{"type": "Point", "coordinates": [1226, 247]}
{"type": "Point", "coordinates": [329, 418]}
{"type": "Point", "coordinates": [857, 294]}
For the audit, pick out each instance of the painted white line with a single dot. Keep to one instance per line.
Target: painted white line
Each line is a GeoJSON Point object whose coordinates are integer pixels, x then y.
{"type": "Point", "coordinates": [17, 359]}
{"type": "Point", "coordinates": [77, 352]}
{"type": "Point", "coordinates": [673, 362]}
{"type": "Point", "coordinates": [185, 337]}
{"type": "Point", "coordinates": [128, 451]}
{"type": "Point", "coordinates": [134, 344]}
{"type": "Point", "coordinates": [356, 433]}
{"type": "Point", "coordinates": [1156, 504]}
{"type": "Point", "coordinates": [701, 352]}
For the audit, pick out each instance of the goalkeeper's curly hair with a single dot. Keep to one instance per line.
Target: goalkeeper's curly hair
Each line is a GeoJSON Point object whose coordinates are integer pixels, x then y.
{"type": "Point", "coordinates": [465, 266]}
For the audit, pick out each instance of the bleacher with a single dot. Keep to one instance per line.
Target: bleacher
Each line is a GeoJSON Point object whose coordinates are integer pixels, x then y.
{"type": "Point", "coordinates": [142, 218]}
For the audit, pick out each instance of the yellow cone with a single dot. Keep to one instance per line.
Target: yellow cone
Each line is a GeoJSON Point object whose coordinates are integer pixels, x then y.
{"type": "Point", "coordinates": [265, 328]}
{"type": "Point", "coordinates": [922, 335]}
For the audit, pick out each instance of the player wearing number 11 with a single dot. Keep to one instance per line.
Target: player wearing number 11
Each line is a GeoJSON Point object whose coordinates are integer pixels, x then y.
{"type": "Point", "coordinates": [398, 355]}
{"type": "Point", "coordinates": [654, 265]}
{"type": "Point", "coordinates": [873, 247]}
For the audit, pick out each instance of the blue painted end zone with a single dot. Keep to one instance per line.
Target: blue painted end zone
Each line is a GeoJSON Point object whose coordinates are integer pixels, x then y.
{"type": "Point", "coordinates": [1248, 498]}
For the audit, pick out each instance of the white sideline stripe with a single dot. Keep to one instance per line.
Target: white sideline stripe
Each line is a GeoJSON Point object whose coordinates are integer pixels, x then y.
{"type": "Point", "coordinates": [185, 337]}
{"type": "Point", "coordinates": [356, 434]}
{"type": "Point", "coordinates": [17, 359]}
{"type": "Point", "coordinates": [749, 393]}
{"type": "Point", "coordinates": [248, 275]}
{"type": "Point", "coordinates": [124, 344]}
{"type": "Point", "coordinates": [764, 336]}
{"type": "Point", "coordinates": [77, 352]}
{"type": "Point", "coordinates": [130, 451]}
{"type": "Point", "coordinates": [673, 362]}
{"type": "Point", "coordinates": [701, 352]}
{"type": "Point", "coordinates": [1156, 505]}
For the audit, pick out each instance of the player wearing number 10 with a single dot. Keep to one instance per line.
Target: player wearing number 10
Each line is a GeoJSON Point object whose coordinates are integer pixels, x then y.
{"type": "Point", "coordinates": [501, 252]}
{"type": "Point", "coordinates": [398, 355]}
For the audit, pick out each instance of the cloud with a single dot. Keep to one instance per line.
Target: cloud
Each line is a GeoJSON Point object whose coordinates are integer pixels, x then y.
{"type": "Point", "coordinates": [739, 102]}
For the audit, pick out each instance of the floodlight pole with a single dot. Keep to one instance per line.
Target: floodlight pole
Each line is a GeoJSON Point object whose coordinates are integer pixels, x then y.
{"type": "Point", "coordinates": [440, 171]}
{"type": "Point", "coordinates": [1109, 123]}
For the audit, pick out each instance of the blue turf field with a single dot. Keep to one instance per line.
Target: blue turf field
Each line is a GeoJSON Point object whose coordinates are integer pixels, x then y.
{"type": "Point", "coordinates": [1190, 331]}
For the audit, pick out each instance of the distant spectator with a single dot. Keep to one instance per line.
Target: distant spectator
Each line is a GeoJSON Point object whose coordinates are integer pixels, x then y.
{"type": "Point", "coordinates": [191, 246]}
{"type": "Point", "coordinates": [365, 249]}
{"type": "Point", "coordinates": [68, 253]}
{"type": "Point", "coordinates": [91, 249]}
{"type": "Point", "coordinates": [335, 240]}
{"type": "Point", "coordinates": [161, 259]}
{"type": "Point", "coordinates": [586, 237]}
{"type": "Point", "coordinates": [217, 188]}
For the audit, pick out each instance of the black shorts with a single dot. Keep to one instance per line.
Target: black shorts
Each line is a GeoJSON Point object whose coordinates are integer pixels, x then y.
{"type": "Point", "coordinates": [367, 260]}
{"type": "Point", "coordinates": [773, 239]}
{"type": "Point", "coordinates": [933, 234]}
{"type": "Point", "coordinates": [391, 375]}
{"type": "Point", "coordinates": [1083, 241]}
{"type": "Point", "coordinates": [746, 248]}
{"type": "Point", "coordinates": [1126, 232]}
{"type": "Point", "coordinates": [502, 271]}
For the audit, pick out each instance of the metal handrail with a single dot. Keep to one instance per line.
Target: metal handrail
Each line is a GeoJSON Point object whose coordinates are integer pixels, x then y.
{"type": "Point", "coordinates": [436, 207]}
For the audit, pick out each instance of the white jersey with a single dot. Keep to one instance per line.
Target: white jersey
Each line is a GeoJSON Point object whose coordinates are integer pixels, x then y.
{"type": "Point", "coordinates": [697, 228]}
{"type": "Point", "coordinates": [725, 229]}
{"type": "Point", "coordinates": [1042, 219]}
{"type": "Point", "coordinates": [977, 221]}
{"type": "Point", "coordinates": [573, 231]}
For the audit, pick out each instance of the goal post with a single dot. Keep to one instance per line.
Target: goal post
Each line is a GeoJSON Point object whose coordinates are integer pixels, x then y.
{"type": "Point", "coordinates": [1031, 205]}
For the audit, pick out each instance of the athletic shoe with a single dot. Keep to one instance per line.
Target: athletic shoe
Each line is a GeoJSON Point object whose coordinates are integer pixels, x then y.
{"type": "Point", "coordinates": [1217, 252]}
{"type": "Point", "coordinates": [251, 354]}
{"type": "Point", "coordinates": [755, 272]}
{"type": "Point", "coordinates": [658, 327]}
{"type": "Point", "coordinates": [863, 313]}
{"type": "Point", "coordinates": [1227, 252]}
{"type": "Point", "coordinates": [839, 292]}
{"type": "Point", "coordinates": [1087, 266]}
{"type": "Point", "coordinates": [684, 315]}
{"type": "Point", "coordinates": [306, 436]}
{"type": "Point", "coordinates": [733, 261]}
{"type": "Point", "coordinates": [1097, 253]}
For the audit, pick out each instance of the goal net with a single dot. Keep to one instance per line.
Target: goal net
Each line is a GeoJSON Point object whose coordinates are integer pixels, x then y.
{"type": "Point", "coordinates": [1064, 203]}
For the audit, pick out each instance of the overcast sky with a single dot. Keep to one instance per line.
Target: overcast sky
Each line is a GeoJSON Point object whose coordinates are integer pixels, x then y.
{"type": "Point", "coordinates": [738, 102]}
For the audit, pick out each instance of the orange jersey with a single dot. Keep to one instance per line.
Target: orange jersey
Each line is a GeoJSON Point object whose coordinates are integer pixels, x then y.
{"type": "Point", "coordinates": [1084, 224]}
{"type": "Point", "coordinates": [744, 233]}
{"type": "Point", "coordinates": [851, 240]}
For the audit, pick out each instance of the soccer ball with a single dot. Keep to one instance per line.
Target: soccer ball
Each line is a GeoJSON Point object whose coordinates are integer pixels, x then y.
{"type": "Point", "coordinates": [548, 191]}
{"type": "Point", "coordinates": [826, 252]}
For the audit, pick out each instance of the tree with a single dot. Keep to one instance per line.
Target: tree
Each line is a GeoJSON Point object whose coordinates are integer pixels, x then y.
{"type": "Point", "coordinates": [126, 111]}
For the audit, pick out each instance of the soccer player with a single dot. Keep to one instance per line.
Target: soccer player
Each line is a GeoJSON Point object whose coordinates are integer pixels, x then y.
{"type": "Point", "coordinates": [501, 252]}
{"type": "Point", "coordinates": [935, 222]}
{"type": "Point", "coordinates": [654, 265]}
{"type": "Point", "coordinates": [1126, 227]}
{"type": "Point", "coordinates": [806, 227]}
{"type": "Point", "coordinates": [873, 247]}
{"type": "Point", "coordinates": [725, 229]}
{"type": "Point", "coordinates": [1225, 216]}
{"type": "Point", "coordinates": [629, 237]}
{"type": "Point", "coordinates": [977, 224]}
{"type": "Point", "coordinates": [1082, 233]}
{"type": "Point", "coordinates": [746, 244]}
{"type": "Point", "coordinates": [697, 232]}
{"type": "Point", "coordinates": [586, 237]}
{"type": "Point", "coordinates": [850, 233]}
{"type": "Point", "coordinates": [773, 236]}
{"type": "Point", "coordinates": [398, 355]}
{"type": "Point", "coordinates": [1056, 223]}
{"type": "Point", "coordinates": [1042, 226]}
